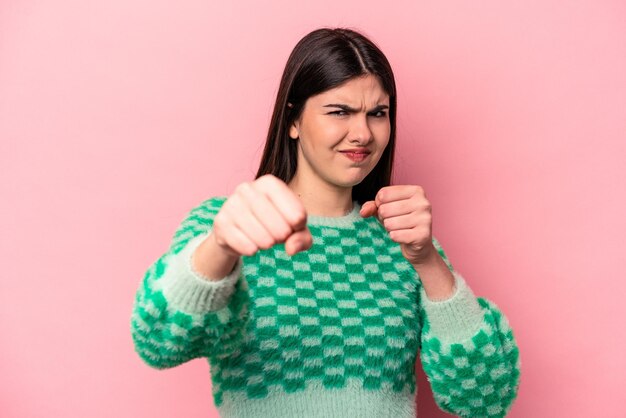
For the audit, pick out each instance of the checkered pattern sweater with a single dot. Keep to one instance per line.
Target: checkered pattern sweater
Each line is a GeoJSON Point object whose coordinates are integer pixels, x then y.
{"type": "Point", "coordinates": [329, 332]}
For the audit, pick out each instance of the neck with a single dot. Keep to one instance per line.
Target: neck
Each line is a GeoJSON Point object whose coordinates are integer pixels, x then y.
{"type": "Point", "coordinates": [320, 198]}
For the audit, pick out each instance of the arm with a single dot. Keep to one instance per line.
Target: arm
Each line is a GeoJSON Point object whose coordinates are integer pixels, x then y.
{"type": "Point", "coordinates": [468, 351]}
{"type": "Point", "coordinates": [180, 314]}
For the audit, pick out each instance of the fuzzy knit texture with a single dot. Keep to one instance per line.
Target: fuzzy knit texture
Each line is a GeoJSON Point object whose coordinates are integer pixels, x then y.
{"type": "Point", "coordinates": [333, 331]}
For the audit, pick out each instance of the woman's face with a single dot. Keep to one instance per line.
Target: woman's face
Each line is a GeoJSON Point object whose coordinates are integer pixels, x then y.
{"type": "Point", "coordinates": [351, 117]}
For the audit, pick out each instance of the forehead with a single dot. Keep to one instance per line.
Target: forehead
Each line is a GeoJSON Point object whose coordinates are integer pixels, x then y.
{"type": "Point", "coordinates": [366, 89]}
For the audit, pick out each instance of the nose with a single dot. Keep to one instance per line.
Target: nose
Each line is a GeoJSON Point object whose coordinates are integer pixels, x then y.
{"type": "Point", "coordinates": [360, 131]}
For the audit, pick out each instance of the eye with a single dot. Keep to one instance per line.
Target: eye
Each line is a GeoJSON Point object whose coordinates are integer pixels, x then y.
{"type": "Point", "coordinates": [338, 113]}
{"type": "Point", "coordinates": [379, 114]}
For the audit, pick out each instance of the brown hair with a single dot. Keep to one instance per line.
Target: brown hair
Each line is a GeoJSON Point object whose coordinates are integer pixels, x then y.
{"type": "Point", "coordinates": [322, 60]}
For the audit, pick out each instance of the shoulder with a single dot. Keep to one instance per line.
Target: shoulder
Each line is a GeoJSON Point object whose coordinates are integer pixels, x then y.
{"type": "Point", "coordinates": [212, 203]}
{"type": "Point", "coordinates": [206, 209]}
{"type": "Point", "coordinates": [197, 221]}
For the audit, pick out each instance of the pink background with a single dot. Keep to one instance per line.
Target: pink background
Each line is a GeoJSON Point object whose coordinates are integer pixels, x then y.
{"type": "Point", "coordinates": [116, 117]}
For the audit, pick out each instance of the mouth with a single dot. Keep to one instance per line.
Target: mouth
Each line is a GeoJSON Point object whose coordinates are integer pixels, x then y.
{"type": "Point", "coordinates": [356, 156]}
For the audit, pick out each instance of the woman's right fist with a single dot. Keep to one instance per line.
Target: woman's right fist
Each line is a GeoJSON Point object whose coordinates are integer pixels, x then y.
{"type": "Point", "coordinates": [260, 214]}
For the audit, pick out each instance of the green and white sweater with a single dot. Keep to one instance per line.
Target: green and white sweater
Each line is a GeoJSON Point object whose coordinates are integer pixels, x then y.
{"type": "Point", "coordinates": [329, 332]}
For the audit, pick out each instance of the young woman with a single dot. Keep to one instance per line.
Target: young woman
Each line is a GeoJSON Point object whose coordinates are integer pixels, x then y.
{"type": "Point", "coordinates": [311, 289]}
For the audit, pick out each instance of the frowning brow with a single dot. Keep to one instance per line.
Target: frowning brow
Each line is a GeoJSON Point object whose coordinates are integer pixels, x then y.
{"type": "Point", "coordinates": [354, 110]}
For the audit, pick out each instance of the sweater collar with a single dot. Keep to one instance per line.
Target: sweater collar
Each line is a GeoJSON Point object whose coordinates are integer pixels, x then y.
{"type": "Point", "coordinates": [344, 221]}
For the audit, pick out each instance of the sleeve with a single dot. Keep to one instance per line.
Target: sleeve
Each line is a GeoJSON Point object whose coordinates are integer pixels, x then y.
{"type": "Point", "coordinates": [468, 352]}
{"type": "Point", "coordinates": [177, 314]}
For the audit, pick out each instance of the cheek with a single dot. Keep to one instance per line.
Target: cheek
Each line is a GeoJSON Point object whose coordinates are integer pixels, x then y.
{"type": "Point", "coordinates": [331, 130]}
{"type": "Point", "coordinates": [381, 133]}
{"type": "Point", "coordinates": [324, 133]}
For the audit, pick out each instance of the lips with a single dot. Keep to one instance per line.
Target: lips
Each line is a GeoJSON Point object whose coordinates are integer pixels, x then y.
{"type": "Point", "coordinates": [356, 151]}
{"type": "Point", "coordinates": [356, 156]}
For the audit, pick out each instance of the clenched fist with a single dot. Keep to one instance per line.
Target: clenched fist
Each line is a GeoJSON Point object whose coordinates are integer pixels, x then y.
{"type": "Point", "coordinates": [260, 214]}
{"type": "Point", "coordinates": [407, 215]}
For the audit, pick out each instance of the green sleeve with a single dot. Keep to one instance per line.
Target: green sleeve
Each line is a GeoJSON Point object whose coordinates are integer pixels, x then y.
{"type": "Point", "coordinates": [468, 352]}
{"type": "Point", "coordinates": [177, 314]}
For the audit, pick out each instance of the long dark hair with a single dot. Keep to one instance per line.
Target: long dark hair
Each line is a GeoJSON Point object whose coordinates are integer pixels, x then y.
{"type": "Point", "coordinates": [322, 60]}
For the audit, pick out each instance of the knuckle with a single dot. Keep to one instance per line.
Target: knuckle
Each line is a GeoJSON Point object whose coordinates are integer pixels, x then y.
{"type": "Point", "coordinates": [267, 183]}
{"type": "Point", "coordinates": [283, 235]}
{"type": "Point", "coordinates": [250, 250]}
{"type": "Point", "coordinates": [240, 187]}
{"type": "Point", "coordinates": [268, 178]}
{"type": "Point", "coordinates": [220, 219]}
{"type": "Point", "coordinates": [298, 218]}
{"type": "Point", "coordinates": [268, 243]}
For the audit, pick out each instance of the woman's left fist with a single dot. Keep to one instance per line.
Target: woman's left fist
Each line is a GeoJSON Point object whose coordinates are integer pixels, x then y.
{"type": "Point", "coordinates": [406, 214]}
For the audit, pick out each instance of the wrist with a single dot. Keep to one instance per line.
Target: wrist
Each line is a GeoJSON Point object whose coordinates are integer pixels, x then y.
{"type": "Point", "coordinates": [212, 246]}
{"type": "Point", "coordinates": [429, 257]}
{"type": "Point", "coordinates": [435, 276]}
{"type": "Point", "coordinates": [211, 261]}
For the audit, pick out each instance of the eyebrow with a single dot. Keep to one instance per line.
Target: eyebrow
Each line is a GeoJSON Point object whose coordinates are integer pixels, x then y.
{"type": "Point", "coordinates": [354, 110]}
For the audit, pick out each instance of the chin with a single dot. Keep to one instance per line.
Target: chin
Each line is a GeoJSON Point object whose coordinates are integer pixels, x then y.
{"type": "Point", "coordinates": [349, 179]}
{"type": "Point", "coordinates": [351, 182]}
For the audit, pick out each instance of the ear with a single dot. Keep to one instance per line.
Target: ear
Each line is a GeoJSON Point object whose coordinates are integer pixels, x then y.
{"type": "Point", "coordinates": [293, 131]}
